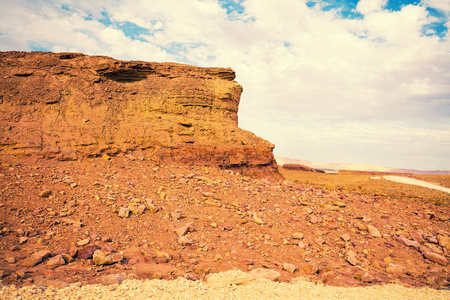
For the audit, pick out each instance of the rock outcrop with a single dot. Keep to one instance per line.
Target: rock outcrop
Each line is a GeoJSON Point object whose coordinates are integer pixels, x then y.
{"type": "Point", "coordinates": [70, 105]}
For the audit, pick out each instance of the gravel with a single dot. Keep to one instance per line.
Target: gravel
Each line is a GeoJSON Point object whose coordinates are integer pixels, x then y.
{"type": "Point", "coordinates": [253, 289]}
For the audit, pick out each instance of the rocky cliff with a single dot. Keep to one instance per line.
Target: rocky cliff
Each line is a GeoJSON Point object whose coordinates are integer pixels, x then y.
{"type": "Point", "coordinates": [70, 105]}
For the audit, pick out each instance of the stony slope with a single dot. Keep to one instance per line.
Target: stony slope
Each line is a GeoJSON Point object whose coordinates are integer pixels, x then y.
{"type": "Point", "coordinates": [172, 220]}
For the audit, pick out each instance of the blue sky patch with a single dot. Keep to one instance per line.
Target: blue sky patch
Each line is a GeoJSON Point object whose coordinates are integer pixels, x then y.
{"type": "Point", "coordinates": [437, 28]}
{"type": "Point", "coordinates": [36, 46]}
{"type": "Point", "coordinates": [397, 5]}
{"type": "Point", "coordinates": [345, 8]}
{"type": "Point", "coordinates": [105, 20]}
{"type": "Point", "coordinates": [232, 7]}
{"type": "Point", "coordinates": [132, 30]}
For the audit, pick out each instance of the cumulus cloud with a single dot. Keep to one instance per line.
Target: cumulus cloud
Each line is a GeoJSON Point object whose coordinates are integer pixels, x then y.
{"type": "Point", "coordinates": [368, 6]}
{"type": "Point", "coordinates": [320, 86]}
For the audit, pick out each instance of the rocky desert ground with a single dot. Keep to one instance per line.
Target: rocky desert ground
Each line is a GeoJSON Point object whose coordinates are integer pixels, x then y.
{"type": "Point", "coordinates": [85, 200]}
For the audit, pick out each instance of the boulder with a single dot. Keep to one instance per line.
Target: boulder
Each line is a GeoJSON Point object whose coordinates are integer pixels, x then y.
{"type": "Point", "coordinates": [35, 258]}
{"type": "Point", "coordinates": [102, 258]}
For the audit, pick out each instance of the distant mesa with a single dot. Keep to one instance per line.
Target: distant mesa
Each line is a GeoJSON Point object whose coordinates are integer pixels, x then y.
{"type": "Point", "coordinates": [69, 105]}
{"type": "Point", "coordinates": [298, 167]}
{"type": "Point", "coordinates": [361, 169]}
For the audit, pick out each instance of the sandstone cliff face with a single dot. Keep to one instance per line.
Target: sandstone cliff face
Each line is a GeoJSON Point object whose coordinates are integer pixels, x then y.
{"type": "Point", "coordinates": [70, 105]}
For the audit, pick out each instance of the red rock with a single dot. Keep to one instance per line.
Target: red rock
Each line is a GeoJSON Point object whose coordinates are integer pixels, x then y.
{"type": "Point", "coordinates": [374, 232]}
{"type": "Point", "coordinates": [291, 268]}
{"type": "Point", "coordinates": [124, 212]}
{"type": "Point", "coordinates": [87, 252]}
{"type": "Point", "coordinates": [183, 230]}
{"type": "Point", "coordinates": [106, 239]}
{"type": "Point", "coordinates": [436, 258]}
{"type": "Point", "coordinates": [45, 193]}
{"type": "Point", "coordinates": [416, 236]}
{"type": "Point", "coordinates": [55, 261]}
{"type": "Point", "coordinates": [35, 258]}
{"type": "Point", "coordinates": [184, 241]}
{"type": "Point", "coordinates": [444, 241]}
{"type": "Point", "coordinates": [351, 258]}
{"type": "Point", "coordinates": [360, 226]}
{"type": "Point", "coordinates": [409, 243]}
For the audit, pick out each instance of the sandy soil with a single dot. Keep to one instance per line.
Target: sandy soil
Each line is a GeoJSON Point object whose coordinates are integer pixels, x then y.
{"type": "Point", "coordinates": [255, 289]}
{"type": "Point", "coordinates": [418, 182]}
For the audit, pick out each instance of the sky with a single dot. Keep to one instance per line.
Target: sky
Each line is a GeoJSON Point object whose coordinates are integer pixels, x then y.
{"type": "Point", "coordinates": [329, 81]}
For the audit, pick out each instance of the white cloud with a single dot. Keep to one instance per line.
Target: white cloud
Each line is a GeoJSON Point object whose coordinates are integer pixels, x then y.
{"type": "Point", "coordinates": [443, 5]}
{"type": "Point", "coordinates": [368, 6]}
{"type": "Point", "coordinates": [310, 78]}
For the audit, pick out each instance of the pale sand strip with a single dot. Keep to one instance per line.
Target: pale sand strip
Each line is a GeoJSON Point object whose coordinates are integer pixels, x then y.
{"type": "Point", "coordinates": [408, 180]}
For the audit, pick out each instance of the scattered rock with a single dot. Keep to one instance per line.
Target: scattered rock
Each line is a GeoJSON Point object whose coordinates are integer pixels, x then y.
{"type": "Point", "coordinates": [101, 257]}
{"type": "Point", "coordinates": [407, 242]}
{"type": "Point", "coordinates": [35, 258]}
{"type": "Point", "coordinates": [394, 269]}
{"type": "Point", "coordinates": [84, 242]}
{"type": "Point", "coordinates": [434, 248]}
{"type": "Point", "coordinates": [151, 207]}
{"type": "Point", "coordinates": [291, 268]}
{"type": "Point", "coordinates": [436, 258]}
{"type": "Point", "coordinates": [183, 230]}
{"type": "Point", "coordinates": [269, 274]}
{"type": "Point", "coordinates": [257, 220]}
{"type": "Point", "coordinates": [360, 226]}
{"type": "Point", "coordinates": [444, 241]}
{"type": "Point", "coordinates": [416, 236]}
{"type": "Point", "coordinates": [124, 212]}
{"type": "Point", "coordinates": [106, 239]}
{"type": "Point", "coordinates": [310, 268]}
{"type": "Point", "coordinates": [373, 231]}
{"type": "Point", "coordinates": [55, 261]}
{"type": "Point", "coordinates": [161, 257]}
{"type": "Point", "coordinates": [87, 252]}
{"type": "Point", "coordinates": [23, 240]}
{"type": "Point", "coordinates": [45, 193]}
{"type": "Point", "coordinates": [351, 258]}
{"type": "Point", "coordinates": [184, 241]}
{"type": "Point", "coordinates": [297, 235]}
{"type": "Point", "coordinates": [137, 209]}
{"type": "Point", "coordinates": [10, 260]}
{"type": "Point", "coordinates": [345, 237]}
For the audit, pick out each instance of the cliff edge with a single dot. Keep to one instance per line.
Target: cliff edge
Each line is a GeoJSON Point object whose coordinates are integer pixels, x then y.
{"type": "Point", "coordinates": [69, 105]}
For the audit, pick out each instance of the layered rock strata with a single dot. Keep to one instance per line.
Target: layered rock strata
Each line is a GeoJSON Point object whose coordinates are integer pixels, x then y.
{"type": "Point", "coordinates": [70, 105]}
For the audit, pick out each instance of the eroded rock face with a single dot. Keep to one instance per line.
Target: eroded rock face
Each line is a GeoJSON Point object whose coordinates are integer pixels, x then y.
{"type": "Point", "coordinates": [67, 105]}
